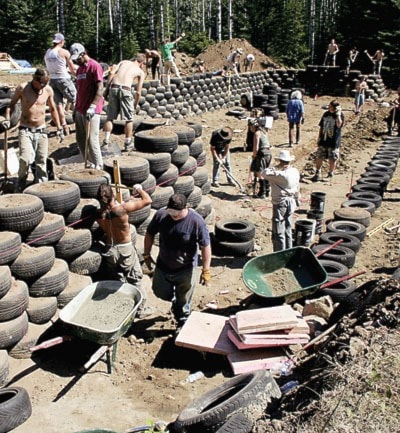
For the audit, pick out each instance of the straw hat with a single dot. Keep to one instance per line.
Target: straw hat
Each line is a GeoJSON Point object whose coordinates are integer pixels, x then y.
{"type": "Point", "coordinates": [285, 156]}
{"type": "Point", "coordinates": [225, 133]}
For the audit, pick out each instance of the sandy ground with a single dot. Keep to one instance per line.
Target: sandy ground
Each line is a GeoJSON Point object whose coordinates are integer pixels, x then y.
{"type": "Point", "coordinates": [149, 381]}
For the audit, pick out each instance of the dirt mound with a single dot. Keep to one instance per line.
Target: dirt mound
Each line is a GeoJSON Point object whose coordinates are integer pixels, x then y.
{"type": "Point", "coordinates": [215, 55]}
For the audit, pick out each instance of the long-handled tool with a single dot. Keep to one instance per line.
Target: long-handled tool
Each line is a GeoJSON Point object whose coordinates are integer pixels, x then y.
{"type": "Point", "coordinates": [230, 175]}
{"type": "Point", "coordinates": [87, 138]}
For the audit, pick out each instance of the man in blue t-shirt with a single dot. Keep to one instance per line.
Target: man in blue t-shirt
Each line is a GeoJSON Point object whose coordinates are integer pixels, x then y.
{"type": "Point", "coordinates": [182, 231]}
{"type": "Point", "coordinates": [329, 138]}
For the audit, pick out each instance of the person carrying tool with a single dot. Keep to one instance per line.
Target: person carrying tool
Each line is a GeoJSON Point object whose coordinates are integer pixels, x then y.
{"type": "Point", "coordinates": [261, 158]}
{"type": "Point", "coordinates": [284, 180]}
{"type": "Point", "coordinates": [119, 254]}
{"type": "Point", "coordinates": [329, 138]}
{"type": "Point", "coordinates": [60, 66]}
{"type": "Point", "coordinates": [359, 98]}
{"type": "Point", "coordinates": [118, 91]}
{"type": "Point", "coordinates": [295, 115]}
{"type": "Point", "coordinates": [33, 141]}
{"type": "Point", "coordinates": [153, 60]}
{"type": "Point", "coordinates": [351, 58]}
{"type": "Point", "coordinates": [168, 58]}
{"type": "Point", "coordinates": [219, 146]}
{"type": "Point", "coordinates": [182, 232]}
{"type": "Point", "coordinates": [89, 105]}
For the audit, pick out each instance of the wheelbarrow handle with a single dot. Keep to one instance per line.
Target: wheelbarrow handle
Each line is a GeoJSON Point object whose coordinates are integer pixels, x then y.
{"type": "Point", "coordinates": [52, 342]}
{"type": "Point", "coordinates": [329, 247]}
{"type": "Point", "coordinates": [339, 280]}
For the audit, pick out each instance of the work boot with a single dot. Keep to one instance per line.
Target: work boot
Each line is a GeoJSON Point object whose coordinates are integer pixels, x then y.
{"type": "Point", "coordinates": [316, 176]}
{"type": "Point", "coordinates": [262, 189]}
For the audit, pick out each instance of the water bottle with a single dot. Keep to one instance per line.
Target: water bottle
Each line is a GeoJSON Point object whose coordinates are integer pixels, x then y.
{"type": "Point", "coordinates": [288, 386]}
{"type": "Point", "coordinates": [194, 376]}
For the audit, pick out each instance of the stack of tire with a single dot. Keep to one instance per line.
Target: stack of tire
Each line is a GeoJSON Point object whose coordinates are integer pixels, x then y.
{"type": "Point", "coordinates": [233, 238]}
{"type": "Point", "coordinates": [6, 93]}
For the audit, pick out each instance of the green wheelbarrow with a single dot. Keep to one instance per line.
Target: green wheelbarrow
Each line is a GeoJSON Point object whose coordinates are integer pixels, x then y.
{"type": "Point", "coordinates": [284, 276]}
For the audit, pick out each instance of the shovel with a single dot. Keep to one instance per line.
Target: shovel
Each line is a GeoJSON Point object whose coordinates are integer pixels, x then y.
{"type": "Point", "coordinates": [6, 186]}
{"type": "Point", "coordinates": [230, 175]}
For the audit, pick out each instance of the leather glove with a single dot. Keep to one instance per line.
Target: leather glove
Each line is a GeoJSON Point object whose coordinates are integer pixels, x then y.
{"type": "Point", "coordinates": [205, 277]}
{"type": "Point", "coordinates": [149, 262]}
{"type": "Point", "coordinates": [5, 124]}
{"type": "Point", "coordinates": [60, 135]}
{"type": "Point", "coordinates": [91, 111]}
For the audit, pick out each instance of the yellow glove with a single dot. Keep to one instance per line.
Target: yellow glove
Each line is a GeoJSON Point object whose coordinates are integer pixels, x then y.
{"type": "Point", "coordinates": [205, 277]}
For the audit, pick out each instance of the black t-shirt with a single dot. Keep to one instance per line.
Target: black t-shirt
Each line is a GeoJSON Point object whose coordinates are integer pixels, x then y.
{"type": "Point", "coordinates": [331, 134]}
{"type": "Point", "coordinates": [217, 142]}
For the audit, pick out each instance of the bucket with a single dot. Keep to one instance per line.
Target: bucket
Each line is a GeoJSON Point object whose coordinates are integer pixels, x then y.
{"type": "Point", "coordinates": [304, 232]}
{"type": "Point", "coordinates": [318, 201]}
{"type": "Point", "coordinates": [316, 215]}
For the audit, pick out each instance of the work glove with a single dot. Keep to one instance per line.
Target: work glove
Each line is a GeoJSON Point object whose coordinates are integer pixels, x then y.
{"type": "Point", "coordinates": [137, 187]}
{"type": "Point", "coordinates": [302, 120]}
{"type": "Point", "coordinates": [205, 277]}
{"type": "Point", "coordinates": [4, 125]}
{"type": "Point", "coordinates": [338, 111]}
{"type": "Point", "coordinates": [148, 261]}
{"type": "Point", "coordinates": [60, 135]}
{"type": "Point", "coordinates": [91, 111]}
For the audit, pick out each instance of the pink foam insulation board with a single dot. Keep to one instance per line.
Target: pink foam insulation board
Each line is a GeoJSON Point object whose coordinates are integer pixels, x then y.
{"type": "Point", "coordinates": [207, 333]}
{"type": "Point", "coordinates": [254, 343]}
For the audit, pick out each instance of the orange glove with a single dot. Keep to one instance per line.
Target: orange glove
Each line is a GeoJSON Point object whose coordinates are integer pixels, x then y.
{"type": "Point", "coordinates": [205, 277]}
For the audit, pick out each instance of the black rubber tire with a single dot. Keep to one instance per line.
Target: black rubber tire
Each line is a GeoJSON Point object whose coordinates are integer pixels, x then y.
{"type": "Point", "coordinates": [4, 367]}
{"type": "Point", "coordinates": [15, 301]}
{"type": "Point", "coordinates": [158, 162]}
{"type": "Point", "coordinates": [351, 227]}
{"type": "Point", "coordinates": [13, 330]}
{"type": "Point", "coordinates": [133, 169]}
{"type": "Point", "coordinates": [196, 148]}
{"type": "Point", "coordinates": [138, 216]}
{"type": "Point", "coordinates": [200, 176]}
{"type": "Point", "coordinates": [375, 199]}
{"type": "Point", "coordinates": [184, 185]}
{"type": "Point", "coordinates": [186, 134]}
{"type": "Point", "coordinates": [180, 155]}
{"type": "Point", "coordinates": [142, 228]}
{"type": "Point", "coordinates": [363, 204]}
{"type": "Point", "coordinates": [51, 283]}
{"type": "Point", "coordinates": [88, 180]}
{"type": "Point", "coordinates": [10, 246]}
{"type": "Point", "coordinates": [169, 177]}
{"type": "Point", "coordinates": [202, 159]}
{"type": "Point", "coordinates": [205, 207]}
{"type": "Point", "coordinates": [339, 254]}
{"type": "Point", "coordinates": [87, 263]}
{"type": "Point", "coordinates": [361, 216]}
{"type": "Point", "coordinates": [334, 269]}
{"type": "Point", "coordinates": [41, 310]}
{"type": "Point", "coordinates": [161, 196]}
{"type": "Point", "coordinates": [194, 198]}
{"type": "Point", "coordinates": [58, 196]}
{"type": "Point", "coordinates": [198, 128]}
{"type": "Point", "coordinates": [83, 216]}
{"type": "Point", "coordinates": [245, 393]}
{"type": "Point", "coordinates": [366, 184]}
{"type": "Point", "coordinates": [234, 230]}
{"type": "Point", "coordinates": [339, 291]}
{"type": "Point", "coordinates": [231, 249]}
{"type": "Point", "coordinates": [21, 350]}
{"type": "Point", "coordinates": [147, 124]}
{"type": "Point", "coordinates": [33, 262]}
{"type": "Point", "coordinates": [189, 167]}
{"type": "Point", "coordinates": [15, 408]}
{"type": "Point", "coordinates": [349, 241]}
{"type": "Point", "coordinates": [382, 163]}
{"type": "Point", "coordinates": [206, 188]}
{"type": "Point", "coordinates": [76, 283]}
{"type": "Point", "coordinates": [5, 280]}
{"type": "Point", "coordinates": [160, 139]}
{"type": "Point", "coordinates": [237, 423]}
{"type": "Point", "coordinates": [47, 232]}
{"type": "Point", "coordinates": [74, 243]}
{"type": "Point", "coordinates": [149, 185]}
{"type": "Point", "coordinates": [19, 212]}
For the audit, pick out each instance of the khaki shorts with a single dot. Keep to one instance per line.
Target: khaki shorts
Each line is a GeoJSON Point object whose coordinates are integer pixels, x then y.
{"type": "Point", "coordinates": [327, 153]}
{"type": "Point", "coordinates": [120, 101]}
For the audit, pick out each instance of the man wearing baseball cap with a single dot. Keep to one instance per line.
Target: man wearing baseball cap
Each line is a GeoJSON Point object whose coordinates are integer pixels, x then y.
{"type": "Point", "coordinates": [284, 180]}
{"type": "Point", "coordinates": [59, 64]}
{"type": "Point", "coordinates": [182, 231]}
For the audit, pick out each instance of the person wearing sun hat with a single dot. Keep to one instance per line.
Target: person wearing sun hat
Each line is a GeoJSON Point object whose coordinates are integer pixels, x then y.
{"type": "Point", "coordinates": [284, 180]}
{"type": "Point", "coordinates": [219, 147]}
{"type": "Point", "coordinates": [182, 232]}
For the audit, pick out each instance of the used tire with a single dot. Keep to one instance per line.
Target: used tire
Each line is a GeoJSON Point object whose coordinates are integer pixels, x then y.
{"type": "Point", "coordinates": [19, 212]}
{"type": "Point", "coordinates": [88, 180]}
{"type": "Point", "coordinates": [33, 262]}
{"type": "Point", "coordinates": [86, 264]}
{"type": "Point", "coordinates": [15, 301]}
{"type": "Point", "coordinates": [351, 227]}
{"type": "Point", "coordinates": [368, 196]}
{"type": "Point", "coordinates": [161, 196]}
{"type": "Point", "coordinates": [10, 246]}
{"type": "Point", "coordinates": [361, 216]}
{"type": "Point", "coordinates": [15, 408]}
{"type": "Point", "coordinates": [5, 280]}
{"type": "Point", "coordinates": [334, 269]}
{"type": "Point", "coordinates": [83, 216]}
{"type": "Point", "coordinates": [51, 283]}
{"type": "Point", "coordinates": [361, 204]}
{"type": "Point", "coordinates": [158, 162]}
{"type": "Point", "coordinates": [41, 310]}
{"type": "Point", "coordinates": [349, 241]}
{"type": "Point", "coordinates": [73, 243]}
{"type": "Point", "coordinates": [76, 283]}
{"type": "Point", "coordinates": [234, 230]}
{"type": "Point", "coordinates": [231, 249]}
{"type": "Point", "coordinates": [169, 177]}
{"type": "Point", "coordinates": [4, 367]}
{"type": "Point", "coordinates": [237, 423]}
{"type": "Point", "coordinates": [13, 330]}
{"type": "Point", "coordinates": [160, 139]}
{"type": "Point", "coordinates": [246, 393]}
{"type": "Point", "coordinates": [339, 291]}
{"type": "Point", "coordinates": [133, 169]}
{"type": "Point", "coordinates": [339, 254]}
{"type": "Point", "coordinates": [47, 232]}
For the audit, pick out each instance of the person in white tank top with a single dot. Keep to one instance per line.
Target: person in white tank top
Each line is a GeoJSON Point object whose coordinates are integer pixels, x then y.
{"type": "Point", "coordinates": [60, 66]}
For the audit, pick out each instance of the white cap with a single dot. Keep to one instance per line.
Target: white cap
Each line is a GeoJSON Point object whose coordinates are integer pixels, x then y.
{"type": "Point", "coordinates": [76, 50]}
{"type": "Point", "coordinates": [58, 37]}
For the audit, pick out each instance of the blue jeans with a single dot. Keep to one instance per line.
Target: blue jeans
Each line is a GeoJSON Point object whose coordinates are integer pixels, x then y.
{"type": "Point", "coordinates": [282, 224]}
{"type": "Point", "coordinates": [216, 164]}
{"type": "Point", "coordinates": [178, 288]}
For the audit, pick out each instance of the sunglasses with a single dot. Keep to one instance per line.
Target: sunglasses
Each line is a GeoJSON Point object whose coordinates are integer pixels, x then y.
{"type": "Point", "coordinates": [42, 83]}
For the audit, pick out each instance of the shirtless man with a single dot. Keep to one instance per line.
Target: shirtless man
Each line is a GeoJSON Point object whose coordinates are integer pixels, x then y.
{"type": "Point", "coordinates": [33, 141]}
{"type": "Point", "coordinates": [120, 255]}
{"type": "Point", "coordinates": [377, 59]}
{"type": "Point", "coordinates": [119, 92]}
{"type": "Point", "coordinates": [153, 58]}
{"type": "Point", "coordinates": [333, 49]}
{"type": "Point", "coordinates": [60, 66]}
{"type": "Point", "coordinates": [361, 87]}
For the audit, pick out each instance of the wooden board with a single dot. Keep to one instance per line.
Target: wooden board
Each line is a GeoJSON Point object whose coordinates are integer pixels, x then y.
{"type": "Point", "coordinates": [255, 359]}
{"type": "Point", "coordinates": [207, 333]}
{"type": "Point", "coordinates": [256, 343]}
{"type": "Point", "coordinates": [266, 319]}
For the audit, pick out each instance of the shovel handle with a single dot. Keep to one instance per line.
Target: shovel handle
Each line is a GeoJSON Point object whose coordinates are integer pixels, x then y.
{"type": "Point", "coordinates": [339, 280]}
{"type": "Point", "coordinates": [50, 343]}
{"type": "Point", "coordinates": [329, 247]}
